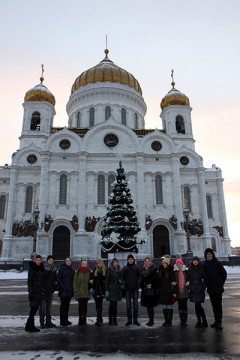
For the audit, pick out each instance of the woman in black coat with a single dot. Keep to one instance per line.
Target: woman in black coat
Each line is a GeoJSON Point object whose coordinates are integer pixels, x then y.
{"type": "Point", "coordinates": [65, 282]}
{"type": "Point", "coordinates": [148, 285]}
{"type": "Point", "coordinates": [97, 280]}
{"type": "Point", "coordinates": [196, 282]}
{"type": "Point", "coordinates": [113, 291]}
{"type": "Point", "coordinates": [35, 290]}
{"type": "Point", "coordinates": [166, 290]}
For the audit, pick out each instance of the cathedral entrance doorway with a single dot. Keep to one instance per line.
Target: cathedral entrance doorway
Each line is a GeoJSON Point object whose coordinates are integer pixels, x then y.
{"type": "Point", "coordinates": [160, 241]}
{"type": "Point", "coordinates": [61, 243]}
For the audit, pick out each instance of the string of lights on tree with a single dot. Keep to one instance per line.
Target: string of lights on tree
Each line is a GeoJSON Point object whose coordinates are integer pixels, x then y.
{"type": "Point", "coordinates": [120, 231]}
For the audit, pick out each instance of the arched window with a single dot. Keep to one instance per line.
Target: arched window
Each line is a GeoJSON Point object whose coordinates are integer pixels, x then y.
{"type": "Point", "coordinates": [158, 188]}
{"type": "Point", "coordinates": [78, 119]}
{"type": "Point", "coordinates": [2, 206]}
{"type": "Point", "coordinates": [101, 190]}
{"type": "Point", "coordinates": [29, 199]}
{"type": "Point", "coordinates": [209, 206]}
{"type": "Point", "coordinates": [123, 116]}
{"type": "Point", "coordinates": [180, 127]}
{"type": "Point", "coordinates": [136, 121]}
{"type": "Point", "coordinates": [35, 121]}
{"type": "Point", "coordinates": [91, 117]}
{"type": "Point", "coordinates": [63, 190]}
{"type": "Point", "coordinates": [111, 179]}
{"type": "Point", "coordinates": [107, 112]}
{"type": "Point", "coordinates": [187, 198]}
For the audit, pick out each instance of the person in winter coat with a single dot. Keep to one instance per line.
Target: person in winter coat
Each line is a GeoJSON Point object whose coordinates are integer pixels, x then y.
{"type": "Point", "coordinates": [197, 285]}
{"type": "Point", "coordinates": [148, 285]}
{"type": "Point", "coordinates": [130, 278]}
{"type": "Point", "coordinates": [113, 291]}
{"type": "Point", "coordinates": [65, 281]}
{"type": "Point", "coordinates": [216, 276]}
{"type": "Point", "coordinates": [182, 291]}
{"type": "Point", "coordinates": [81, 290]}
{"type": "Point", "coordinates": [50, 279]}
{"type": "Point", "coordinates": [98, 284]}
{"type": "Point", "coordinates": [35, 290]}
{"type": "Point", "coordinates": [166, 292]}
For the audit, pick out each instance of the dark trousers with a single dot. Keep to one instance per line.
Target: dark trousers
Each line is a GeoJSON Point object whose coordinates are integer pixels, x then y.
{"type": "Point", "coordinates": [216, 301]}
{"type": "Point", "coordinates": [45, 309]}
{"type": "Point", "coordinates": [132, 304]}
{"type": "Point", "coordinates": [64, 309]}
{"type": "Point", "coordinates": [82, 308]}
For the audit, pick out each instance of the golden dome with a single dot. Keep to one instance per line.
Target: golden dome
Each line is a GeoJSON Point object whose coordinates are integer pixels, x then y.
{"type": "Point", "coordinates": [40, 92]}
{"type": "Point", "coordinates": [174, 97]}
{"type": "Point", "coordinates": [106, 71]}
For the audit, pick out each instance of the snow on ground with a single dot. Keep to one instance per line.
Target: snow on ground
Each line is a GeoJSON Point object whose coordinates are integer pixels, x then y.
{"type": "Point", "coordinates": [45, 355]}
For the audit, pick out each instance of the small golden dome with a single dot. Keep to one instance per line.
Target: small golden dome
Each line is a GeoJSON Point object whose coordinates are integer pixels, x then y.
{"type": "Point", "coordinates": [40, 92]}
{"type": "Point", "coordinates": [174, 97]}
{"type": "Point", "coordinates": [106, 71]}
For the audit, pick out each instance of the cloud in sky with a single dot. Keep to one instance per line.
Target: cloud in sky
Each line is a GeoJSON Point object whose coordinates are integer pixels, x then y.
{"type": "Point", "coordinates": [148, 38]}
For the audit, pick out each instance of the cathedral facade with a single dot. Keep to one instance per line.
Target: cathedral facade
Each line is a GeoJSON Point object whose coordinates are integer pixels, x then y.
{"type": "Point", "coordinates": [55, 193]}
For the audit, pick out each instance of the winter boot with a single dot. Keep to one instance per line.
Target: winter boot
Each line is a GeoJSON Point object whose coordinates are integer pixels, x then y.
{"type": "Point", "coordinates": [204, 323]}
{"type": "Point", "coordinates": [165, 314]}
{"type": "Point", "coordinates": [183, 317]}
{"type": "Point", "coordinates": [170, 316]}
{"type": "Point", "coordinates": [98, 320]}
{"type": "Point", "coordinates": [30, 327]}
{"type": "Point", "coordinates": [114, 317]}
{"type": "Point", "coordinates": [110, 317]}
{"type": "Point", "coordinates": [80, 321]}
{"type": "Point", "coordinates": [198, 314]}
{"type": "Point", "coordinates": [151, 316]}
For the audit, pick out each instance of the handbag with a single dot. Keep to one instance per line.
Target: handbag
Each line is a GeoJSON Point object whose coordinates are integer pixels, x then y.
{"type": "Point", "coordinates": [149, 292]}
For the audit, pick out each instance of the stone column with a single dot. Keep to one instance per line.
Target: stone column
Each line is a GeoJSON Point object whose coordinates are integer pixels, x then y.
{"type": "Point", "coordinates": [180, 245]}
{"type": "Point", "coordinates": [44, 186]}
{"type": "Point", "coordinates": [206, 237]}
{"type": "Point", "coordinates": [8, 238]}
{"type": "Point", "coordinates": [82, 189]}
{"type": "Point", "coordinates": [223, 216]}
{"type": "Point", "coordinates": [140, 192]}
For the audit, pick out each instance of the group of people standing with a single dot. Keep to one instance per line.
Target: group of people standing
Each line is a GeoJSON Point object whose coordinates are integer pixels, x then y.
{"type": "Point", "coordinates": [164, 285]}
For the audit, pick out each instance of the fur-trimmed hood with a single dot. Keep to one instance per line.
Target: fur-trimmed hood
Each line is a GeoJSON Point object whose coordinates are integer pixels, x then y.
{"type": "Point", "coordinates": [35, 267]}
{"type": "Point", "coordinates": [177, 269]}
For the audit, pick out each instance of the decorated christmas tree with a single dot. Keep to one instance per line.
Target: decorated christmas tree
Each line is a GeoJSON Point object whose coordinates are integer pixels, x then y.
{"type": "Point", "coordinates": [120, 227]}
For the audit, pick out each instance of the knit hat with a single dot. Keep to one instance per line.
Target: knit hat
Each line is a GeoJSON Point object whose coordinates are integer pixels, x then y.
{"type": "Point", "coordinates": [130, 256]}
{"type": "Point", "coordinates": [196, 258]}
{"type": "Point", "coordinates": [49, 257]}
{"type": "Point", "coordinates": [166, 260]}
{"type": "Point", "coordinates": [33, 255]}
{"type": "Point", "coordinates": [208, 250]}
{"type": "Point", "coordinates": [179, 261]}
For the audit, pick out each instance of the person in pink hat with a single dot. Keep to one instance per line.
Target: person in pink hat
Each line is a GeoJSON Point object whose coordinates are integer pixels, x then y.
{"type": "Point", "coordinates": [182, 291]}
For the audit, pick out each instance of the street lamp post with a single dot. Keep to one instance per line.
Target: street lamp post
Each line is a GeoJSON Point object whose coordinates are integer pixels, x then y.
{"type": "Point", "coordinates": [36, 213]}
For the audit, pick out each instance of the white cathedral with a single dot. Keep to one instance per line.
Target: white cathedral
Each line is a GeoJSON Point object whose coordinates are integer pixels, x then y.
{"type": "Point", "coordinates": [55, 193]}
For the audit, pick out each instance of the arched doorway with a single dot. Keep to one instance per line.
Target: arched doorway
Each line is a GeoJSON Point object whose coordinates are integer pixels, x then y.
{"type": "Point", "coordinates": [61, 243]}
{"type": "Point", "coordinates": [160, 241]}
